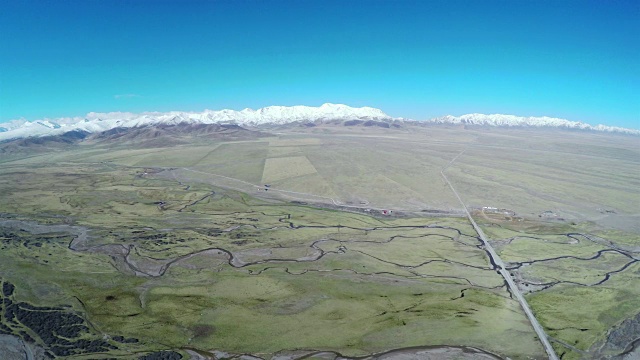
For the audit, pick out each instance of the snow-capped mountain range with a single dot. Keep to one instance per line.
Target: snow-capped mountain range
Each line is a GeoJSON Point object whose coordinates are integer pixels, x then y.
{"type": "Point", "coordinates": [526, 121]}
{"type": "Point", "coordinates": [272, 115]}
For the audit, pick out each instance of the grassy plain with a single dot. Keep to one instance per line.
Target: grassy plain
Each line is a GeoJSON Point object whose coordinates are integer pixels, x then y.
{"type": "Point", "coordinates": [580, 287]}
{"type": "Point", "coordinates": [279, 168]}
{"type": "Point", "coordinates": [566, 177]}
{"type": "Point", "coordinates": [301, 277]}
{"type": "Point", "coordinates": [186, 249]}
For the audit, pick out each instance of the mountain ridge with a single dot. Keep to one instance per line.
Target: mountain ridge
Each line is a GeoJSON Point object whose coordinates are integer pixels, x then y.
{"type": "Point", "coordinates": [526, 121]}
{"type": "Point", "coordinates": [274, 115]}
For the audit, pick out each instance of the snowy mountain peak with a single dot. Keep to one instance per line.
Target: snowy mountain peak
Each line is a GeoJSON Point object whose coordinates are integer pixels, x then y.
{"type": "Point", "coordinates": [523, 121]}
{"type": "Point", "coordinates": [96, 122]}
{"type": "Point", "coordinates": [271, 115]}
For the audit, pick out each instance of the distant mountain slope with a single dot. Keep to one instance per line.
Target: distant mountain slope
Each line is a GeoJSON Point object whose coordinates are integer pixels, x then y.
{"type": "Point", "coordinates": [159, 135]}
{"type": "Point", "coordinates": [274, 116]}
{"type": "Point", "coordinates": [42, 143]}
{"type": "Point", "coordinates": [172, 134]}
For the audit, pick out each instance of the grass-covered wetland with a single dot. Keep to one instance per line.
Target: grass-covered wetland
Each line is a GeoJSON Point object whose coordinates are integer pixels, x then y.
{"type": "Point", "coordinates": [322, 243]}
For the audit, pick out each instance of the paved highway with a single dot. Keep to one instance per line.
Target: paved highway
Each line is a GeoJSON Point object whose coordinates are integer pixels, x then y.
{"type": "Point", "coordinates": [505, 274]}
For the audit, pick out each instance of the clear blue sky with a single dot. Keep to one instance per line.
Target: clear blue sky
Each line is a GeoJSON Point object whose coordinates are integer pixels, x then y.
{"type": "Point", "coordinates": [578, 60]}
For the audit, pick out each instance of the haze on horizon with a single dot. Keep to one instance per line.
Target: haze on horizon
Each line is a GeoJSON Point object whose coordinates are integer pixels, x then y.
{"type": "Point", "coordinates": [578, 60]}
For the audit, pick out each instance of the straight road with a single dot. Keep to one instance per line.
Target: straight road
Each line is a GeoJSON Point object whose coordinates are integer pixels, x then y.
{"type": "Point", "coordinates": [505, 274]}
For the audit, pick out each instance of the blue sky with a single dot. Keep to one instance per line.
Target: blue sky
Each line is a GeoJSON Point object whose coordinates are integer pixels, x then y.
{"type": "Point", "coordinates": [578, 60]}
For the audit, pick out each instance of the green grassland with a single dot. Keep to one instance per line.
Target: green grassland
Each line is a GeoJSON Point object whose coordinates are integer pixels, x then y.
{"type": "Point", "coordinates": [303, 277]}
{"type": "Point", "coordinates": [184, 248]}
{"type": "Point", "coordinates": [577, 270]}
{"type": "Point", "coordinates": [581, 305]}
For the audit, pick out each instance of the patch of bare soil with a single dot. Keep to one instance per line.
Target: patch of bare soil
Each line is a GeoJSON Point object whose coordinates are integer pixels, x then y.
{"type": "Point", "coordinates": [14, 348]}
{"type": "Point", "coordinates": [623, 340]}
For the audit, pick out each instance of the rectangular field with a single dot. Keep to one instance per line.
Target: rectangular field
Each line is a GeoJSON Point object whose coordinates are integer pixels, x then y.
{"type": "Point", "coordinates": [286, 167]}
